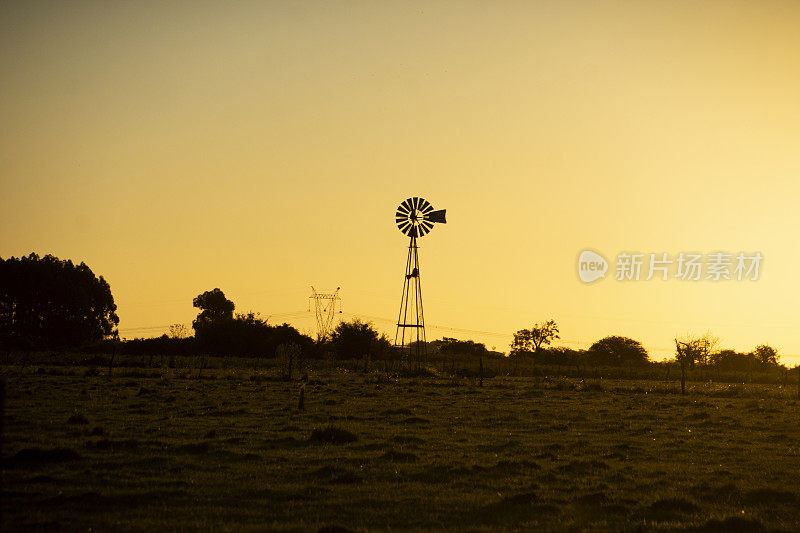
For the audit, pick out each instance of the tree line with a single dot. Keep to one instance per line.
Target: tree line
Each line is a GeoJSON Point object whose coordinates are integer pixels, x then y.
{"type": "Point", "coordinates": [690, 351]}
{"type": "Point", "coordinates": [52, 304]}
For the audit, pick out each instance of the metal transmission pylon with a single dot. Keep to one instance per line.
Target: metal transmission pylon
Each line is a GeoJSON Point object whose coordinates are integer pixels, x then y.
{"type": "Point", "coordinates": [415, 217]}
{"type": "Point", "coordinates": [325, 305]}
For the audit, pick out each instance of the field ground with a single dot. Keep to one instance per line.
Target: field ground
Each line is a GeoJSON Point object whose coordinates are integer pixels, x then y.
{"type": "Point", "coordinates": [233, 451]}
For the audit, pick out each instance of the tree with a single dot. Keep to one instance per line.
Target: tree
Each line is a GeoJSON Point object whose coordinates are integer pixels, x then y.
{"type": "Point", "coordinates": [766, 355]}
{"type": "Point", "coordinates": [212, 327]}
{"type": "Point", "coordinates": [356, 339]}
{"type": "Point", "coordinates": [451, 346]}
{"type": "Point", "coordinates": [214, 307]}
{"type": "Point", "coordinates": [49, 303]}
{"type": "Point", "coordinates": [177, 331]}
{"type": "Point", "coordinates": [690, 350]}
{"type": "Point", "coordinates": [728, 359]}
{"type": "Point", "coordinates": [617, 350]}
{"type": "Point", "coordinates": [531, 340]}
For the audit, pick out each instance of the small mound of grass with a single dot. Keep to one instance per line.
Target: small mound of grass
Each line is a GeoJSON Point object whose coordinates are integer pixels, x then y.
{"type": "Point", "coordinates": [593, 498]}
{"type": "Point", "coordinates": [197, 448]}
{"type": "Point", "coordinates": [506, 465]}
{"type": "Point", "coordinates": [674, 505]}
{"type": "Point", "coordinates": [734, 523]}
{"type": "Point", "coordinates": [278, 443]}
{"type": "Point", "coordinates": [39, 456]}
{"type": "Point", "coordinates": [583, 467]}
{"type": "Point", "coordinates": [112, 445]}
{"type": "Point", "coordinates": [332, 435]}
{"type": "Point", "coordinates": [390, 412]}
{"type": "Point", "coordinates": [526, 498]}
{"type": "Point", "coordinates": [399, 457]}
{"type": "Point", "coordinates": [768, 497]}
{"type": "Point", "coordinates": [402, 439]}
{"type": "Point", "coordinates": [336, 475]}
{"type": "Point", "coordinates": [416, 420]}
{"type": "Point", "coordinates": [334, 529]}
{"type": "Point", "coordinates": [78, 419]}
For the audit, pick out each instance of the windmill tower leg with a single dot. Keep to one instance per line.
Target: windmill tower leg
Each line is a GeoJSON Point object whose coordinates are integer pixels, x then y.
{"type": "Point", "coordinates": [411, 314]}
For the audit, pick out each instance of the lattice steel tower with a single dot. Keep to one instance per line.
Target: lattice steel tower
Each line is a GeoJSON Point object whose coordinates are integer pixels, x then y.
{"type": "Point", "coordinates": [415, 217]}
{"type": "Point", "coordinates": [325, 306]}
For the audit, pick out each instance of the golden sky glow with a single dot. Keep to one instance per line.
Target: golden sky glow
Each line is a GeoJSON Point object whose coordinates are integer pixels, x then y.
{"type": "Point", "coordinates": [263, 147]}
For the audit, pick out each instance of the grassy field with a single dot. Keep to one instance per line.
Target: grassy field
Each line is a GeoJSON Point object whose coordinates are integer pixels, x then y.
{"type": "Point", "coordinates": [233, 451]}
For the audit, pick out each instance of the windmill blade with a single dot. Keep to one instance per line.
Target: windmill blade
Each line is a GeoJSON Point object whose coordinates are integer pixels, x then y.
{"type": "Point", "coordinates": [402, 209]}
{"type": "Point", "coordinates": [408, 205]}
{"type": "Point", "coordinates": [400, 219]}
{"type": "Point", "coordinates": [423, 230]}
{"type": "Point", "coordinates": [415, 202]}
{"type": "Point", "coordinates": [426, 207]}
{"type": "Point", "coordinates": [413, 231]}
{"type": "Point", "coordinates": [437, 216]}
{"type": "Point", "coordinates": [428, 225]}
{"type": "Point", "coordinates": [404, 225]}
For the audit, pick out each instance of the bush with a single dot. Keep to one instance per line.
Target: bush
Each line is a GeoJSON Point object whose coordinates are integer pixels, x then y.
{"type": "Point", "coordinates": [332, 435]}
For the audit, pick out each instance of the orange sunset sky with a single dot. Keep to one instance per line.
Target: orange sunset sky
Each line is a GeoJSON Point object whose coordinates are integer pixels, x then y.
{"type": "Point", "coordinates": [263, 147]}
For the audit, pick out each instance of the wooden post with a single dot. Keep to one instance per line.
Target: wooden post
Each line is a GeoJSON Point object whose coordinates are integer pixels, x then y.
{"type": "Point", "coordinates": [2, 418]}
{"type": "Point", "coordinates": [111, 360]}
{"type": "Point", "coordinates": [682, 359]}
{"type": "Point", "coordinates": [683, 376]}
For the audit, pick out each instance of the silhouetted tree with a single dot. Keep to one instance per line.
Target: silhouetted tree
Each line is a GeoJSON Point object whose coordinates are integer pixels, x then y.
{"type": "Point", "coordinates": [49, 303]}
{"type": "Point", "coordinates": [357, 339]}
{"type": "Point", "coordinates": [451, 346]}
{"type": "Point", "coordinates": [616, 350]}
{"type": "Point", "coordinates": [177, 331]}
{"type": "Point", "coordinates": [531, 340]}
{"type": "Point", "coordinates": [212, 327]}
{"type": "Point", "coordinates": [766, 355]}
{"type": "Point", "coordinates": [214, 307]}
{"type": "Point", "coordinates": [691, 349]}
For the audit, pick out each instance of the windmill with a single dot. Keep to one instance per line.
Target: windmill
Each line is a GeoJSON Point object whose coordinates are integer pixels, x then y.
{"type": "Point", "coordinates": [415, 217]}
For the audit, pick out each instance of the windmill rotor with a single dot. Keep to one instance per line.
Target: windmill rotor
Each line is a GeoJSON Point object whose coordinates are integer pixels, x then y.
{"type": "Point", "coordinates": [415, 217]}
